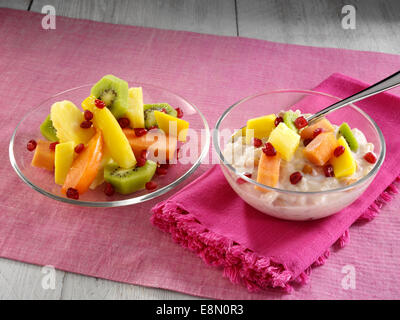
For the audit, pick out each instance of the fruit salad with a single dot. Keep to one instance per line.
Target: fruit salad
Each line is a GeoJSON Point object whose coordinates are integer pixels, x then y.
{"type": "Point", "coordinates": [115, 142]}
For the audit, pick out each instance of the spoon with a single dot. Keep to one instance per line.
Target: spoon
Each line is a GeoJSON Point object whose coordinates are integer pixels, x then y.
{"type": "Point", "coordinates": [383, 85]}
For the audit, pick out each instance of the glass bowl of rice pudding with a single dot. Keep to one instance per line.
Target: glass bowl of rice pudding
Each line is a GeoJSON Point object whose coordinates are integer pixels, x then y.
{"type": "Point", "coordinates": [296, 175]}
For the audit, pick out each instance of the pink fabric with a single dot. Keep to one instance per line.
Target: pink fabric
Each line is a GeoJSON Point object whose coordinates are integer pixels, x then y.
{"type": "Point", "coordinates": [213, 72]}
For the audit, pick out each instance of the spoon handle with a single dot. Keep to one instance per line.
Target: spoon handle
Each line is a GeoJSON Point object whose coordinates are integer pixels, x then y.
{"type": "Point", "coordinates": [383, 85]}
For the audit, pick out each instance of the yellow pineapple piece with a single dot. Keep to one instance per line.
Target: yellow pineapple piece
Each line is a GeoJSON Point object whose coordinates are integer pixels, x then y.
{"type": "Point", "coordinates": [64, 156]}
{"type": "Point", "coordinates": [171, 125]}
{"type": "Point", "coordinates": [114, 138]}
{"type": "Point", "coordinates": [67, 118]}
{"type": "Point", "coordinates": [344, 165]}
{"type": "Point", "coordinates": [285, 141]}
{"type": "Point", "coordinates": [135, 112]}
{"type": "Point", "coordinates": [260, 127]}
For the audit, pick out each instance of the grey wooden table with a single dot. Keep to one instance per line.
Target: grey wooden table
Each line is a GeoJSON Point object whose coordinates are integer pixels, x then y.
{"type": "Point", "coordinates": [307, 22]}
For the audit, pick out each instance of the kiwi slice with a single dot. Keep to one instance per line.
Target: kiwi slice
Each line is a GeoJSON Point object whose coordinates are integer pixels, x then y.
{"type": "Point", "coordinates": [114, 93]}
{"type": "Point", "coordinates": [149, 119]}
{"type": "Point", "coordinates": [126, 181]}
{"type": "Point", "coordinates": [288, 119]}
{"type": "Point", "coordinates": [48, 131]}
{"type": "Point", "coordinates": [346, 132]}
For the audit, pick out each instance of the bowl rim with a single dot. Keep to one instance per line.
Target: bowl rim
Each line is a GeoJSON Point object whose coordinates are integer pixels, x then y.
{"type": "Point", "coordinates": [371, 173]}
{"type": "Point", "coordinates": [116, 203]}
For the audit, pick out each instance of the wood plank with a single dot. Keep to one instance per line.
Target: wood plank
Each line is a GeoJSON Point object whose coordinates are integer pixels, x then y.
{"type": "Point", "coordinates": [204, 16]}
{"type": "Point", "coordinates": [318, 23]}
{"type": "Point", "coordinates": [15, 4]}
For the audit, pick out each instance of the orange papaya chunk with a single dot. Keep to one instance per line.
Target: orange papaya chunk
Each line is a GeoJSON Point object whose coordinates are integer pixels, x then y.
{"type": "Point", "coordinates": [268, 171]}
{"type": "Point", "coordinates": [321, 148]}
{"type": "Point", "coordinates": [43, 157]}
{"type": "Point", "coordinates": [324, 124]}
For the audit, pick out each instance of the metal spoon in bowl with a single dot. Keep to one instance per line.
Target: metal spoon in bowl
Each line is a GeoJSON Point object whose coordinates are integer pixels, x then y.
{"type": "Point", "coordinates": [383, 85]}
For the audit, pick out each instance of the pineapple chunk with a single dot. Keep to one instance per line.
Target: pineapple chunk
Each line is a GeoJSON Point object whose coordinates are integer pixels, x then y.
{"type": "Point", "coordinates": [345, 164]}
{"type": "Point", "coordinates": [260, 127]}
{"type": "Point", "coordinates": [114, 138]}
{"type": "Point", "coordinates": [171, 125]}
{"type": "Point", "coordinates": [285, 141]}
{"type": "Point", "coordinates": [64, 156]}
{"type": "Point", "coordinates": [135, 107]}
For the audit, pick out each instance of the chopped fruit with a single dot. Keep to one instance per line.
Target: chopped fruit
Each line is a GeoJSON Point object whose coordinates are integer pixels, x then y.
{"type": "Point", "coordinates": [149, 118]}
{"type": "Point", "coordinates": [151, 185]}
{"type": "Point", "coordinates": [257, 142]}
{"type": "Point", "coordinates": [86, 124]}
{"type": "Point", "coordinates": [317, 132]}
{"type": "Point", "coordinates": [105, 160]}
{"type": "Point", "coordinates": [278, 120]}
{"type": "Point", "coordinates": [295, 177]}
{"type": "Point", "coordinates": [268, 171]}
{"type": "Point", "coordinates": [288, 118]}
{"type": "Point", "coordinates": [124, 122]}
{"type": "Point", "coordinates": [48, 131]}
{"type": "Point", "coordinates": [88, 115]}
{"type": "Point", "coordinates": [109, 189]}
{"type": "Point", "coordinates": [172, 126]}
{"type": "Point", "coordinates": [346, 132]}
{"type": "Point", "coordinates": [370, 157]}
{"type": "Point", "coordinates": [140, 162]}
{"type": "Point", "coordinates": [79, 148]}
{"type": "Point", "coordinates": [31, 145]}
{"type": "Point", "coordinates": [239, 133]}
{"type": "Point", "coordinates": [66, 118]}
{"type": "Point", "coordinates": [260, 127]}
{"type": "Point", "coordinates": [99, 104]}
{"type": "Point", "coordinates": [328, 171]}
{"type": "Point", "coordinates": [269, 150]}
{"type": "Point", "coordinates": [324, 124]}
{"type": "Point", "coordinates": [140, 132]}
{"type": "Point", "coordinates": [307, 141]}
{"type": "Point", "coordinates": [43, 157]}
{"type": "Point", "coordinates": [85, 167]}
{"type": "Point", "coordinates": [300, 122]}
{"type": "Point", "coordinates": [114, 137]}
{"type": "Point", "coordinates": [338, 151]}
{"type": "Point", "coordinates": [307, 169]}
{"type": "Point", "coordinates": [52, 146]}
{"type": "Point", "coordinates": [241, 181]}
{"type": "Point", "coordinates": [64, 156]}
{"type": "Point", "coordinates": [320, 150]}
{"type": "Point", "coordinates": [179, 113]}
{"type": "Point", "coordinates": [72, 193]}
{"type": "Point", "coordinates": [135, 112]}
{"type": "Point", "coordinates": [285, 141]}
{"type": "Point", "coordinates": [345, 164]}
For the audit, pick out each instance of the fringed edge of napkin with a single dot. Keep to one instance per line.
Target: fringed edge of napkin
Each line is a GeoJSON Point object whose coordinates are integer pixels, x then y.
{"type": "Point", "coordinates": [240, 264]}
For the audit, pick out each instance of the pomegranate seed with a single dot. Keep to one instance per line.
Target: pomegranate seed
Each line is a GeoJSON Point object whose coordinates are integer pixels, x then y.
{"type": "Point", "coordinates": [140, 132]}
{"type": "Point", "coordinates": [31, 145]}
{"type": "Point", "coordinates": [278, 120]}
{"type": "Point", "coordinates": [338, 151]}
{"type": "Point", "coordinates": [124, 122]}
{"type": "Point", "coordinates": [161, 171]}
{"type": "Point", "coordinates": [295, 177]}
{"type": "Point", "coordinates": [151, 185]}
{"type": "Point", "coordinates": [140, 162]}
{"type": "Point", "coordinates": [328, 170]}
{"type": "Point", "coordinates": [88, 115]}
{"type": "Point", "coordinates": [79, 148]}
{"type": "Point", "coordinates": [52, 146]}
{"type": "Point", "coordinates": [257, 142]}
{"type": "Point", "coordinates": [269, 149]}
{"type": "Point", "coordinates": [151, 128]}
{"type": "Point", "coordinates": [163, 110]}
{"type": "Point", "coordinates": [317, 132]}
{"type": "Point", "coordinates": [73, 193]}
{"type": "Point", "coordinates": [307, 141]}
{"type": "Point", "coordinates": [241, 181]}
{"type": "Point", "coordinates": [99, 104]}
{"type": "Point", "coordinates": [180, 112]}
{"type": "Point", "coordinates": [370, 157]}
{"type": "Point", "coordinates": [300, 122]}
{"type": "Point", "coordinates": [143, 154]}
{"type": "Point", "coordinates": [86, 124]}
{"type": "Point", "coordinates": [109, 189]}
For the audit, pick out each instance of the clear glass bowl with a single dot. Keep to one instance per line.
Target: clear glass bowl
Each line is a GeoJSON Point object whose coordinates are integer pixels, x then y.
{"type": "Point", "coordinates": [43, 181]}
{"type": "Point", "coordinates": [286, 204]}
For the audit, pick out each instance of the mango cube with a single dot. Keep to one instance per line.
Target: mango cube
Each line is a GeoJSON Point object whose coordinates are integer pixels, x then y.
{"type": "Point", "coordinates": [285, 141]}
{"type": "Point", "coordinates": [171, 125]}
{"type": "Point", "coordinates": [260, 127]}
{"type": "Point", "coordinates": [344, 165]}
{"type": "Point", "coordinates": [64, 156]}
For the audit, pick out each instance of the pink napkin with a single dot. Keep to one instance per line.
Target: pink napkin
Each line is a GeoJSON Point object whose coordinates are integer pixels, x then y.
{"type": "Point", "coordinates": [210, 219]}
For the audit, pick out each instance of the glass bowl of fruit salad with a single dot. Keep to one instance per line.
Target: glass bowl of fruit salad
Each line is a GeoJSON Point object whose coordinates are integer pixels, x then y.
{"type": "Point", "coordinates": [109, 144]}
{"type": "Point", "coordinates": [289, 169]}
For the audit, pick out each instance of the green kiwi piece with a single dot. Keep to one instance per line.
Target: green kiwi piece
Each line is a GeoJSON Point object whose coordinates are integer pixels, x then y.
{"type": "Point", "coordinates": [114, 93]}
{"type": "Point", "coordinates": [48, 131]}
{"type": "Point", "coordinates": [126, 181]}
{"type": "Point", "coordinates": [149, 119]}
{"type": "Point", "coordinates": [346, 132]}
{"type": "Point", "coordinates": [288, 119]}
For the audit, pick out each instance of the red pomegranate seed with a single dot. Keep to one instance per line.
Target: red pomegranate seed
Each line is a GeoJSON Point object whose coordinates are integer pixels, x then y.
{"type": "Point", "coordinates": [163, 110]}
{"type": "Point", "coordinates": [307, 141]}
{"type": "Point", "coordinates": [140, 132]}
{"type": "Point", "coordinates": [295, 177]}
{"type": "Point", "coordinates": [52, 146]}
{"type": "Point", "coordinates": [88, 115]}
{"type": "Point", "coordinates": [269, 149]}
{"type": "Point", "coordinates": [328, 170]}
{"type": "Point", "coordinates": [338, 151]}
{"type": "Point", "coordinates": [31, 145]}
{"type": "Point", "coordinates": [180, 112]}
{"type": "Point", "coordinates": [300, 122]}
{"type": "Point", "coordinates": [278, 120]}
{"type": "Point", "coordinates": [99, 104]}
{"type": "Point", "coordinates": [109, 189]}
{"type": "Point", "coordinates": [370, 157]}
{"type": "Point", "coordinates": [317, 132]}
{"type": "Point", "coordinates": [257, 142]}
{"type": "Point", "coordinates": [241, 181]}
{"type": "Point", "coordinates": [79, 148]}
{"type": "Point", "coordinates": [143, 154]}
{"type": "Point", "coordinates": [140, 162]}
{"type": "Point", "coordinates": [124, 122]}
{"type": "Point", "coordinates": [86, 124]}
{"type": "Point", "coordinates": [73, 193]}
{"type": "Point", "coordinates": [151, 185]}
{"type": "Point", "coordinates": [161, 171]}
